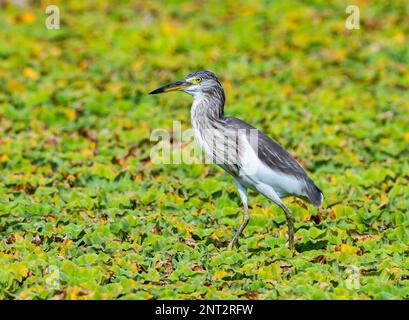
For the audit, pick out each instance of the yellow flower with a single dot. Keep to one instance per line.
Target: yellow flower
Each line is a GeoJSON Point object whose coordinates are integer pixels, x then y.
{"type": "Point", "coordinates": [25, 18]}
{"type": "Point", "coordinates": [348, 249]}
{"type": "Point", "coordinates": [30, 73]}
{"type": "Point", "coordinates": [71, 114]}
{"type": "Point", "coordinates": [219, 275]}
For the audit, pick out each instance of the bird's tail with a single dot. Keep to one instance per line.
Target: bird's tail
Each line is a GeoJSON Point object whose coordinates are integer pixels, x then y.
{"type": "Point", "coordinates": [314, 194]}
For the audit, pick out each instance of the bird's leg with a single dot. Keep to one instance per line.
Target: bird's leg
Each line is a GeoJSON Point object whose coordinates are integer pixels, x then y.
{"type": "Point", "coordinates": [240, 230]}
{"type": "Point", "coordinates": [243, 195]}
{"type": "Point", "coordinates": [290, 223]}
{"type": "Point", "coordinates": [271, 194]}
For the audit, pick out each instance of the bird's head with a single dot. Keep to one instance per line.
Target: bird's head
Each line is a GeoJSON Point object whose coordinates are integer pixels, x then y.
{"type": "Point", "coordinates": [195, 84]}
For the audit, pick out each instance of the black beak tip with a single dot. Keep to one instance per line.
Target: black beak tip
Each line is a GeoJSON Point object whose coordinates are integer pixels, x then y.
{"type": "Point", "coordinates": [154, 92]}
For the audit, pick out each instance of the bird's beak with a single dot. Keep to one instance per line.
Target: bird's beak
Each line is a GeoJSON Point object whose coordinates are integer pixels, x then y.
{"type": "Point", "coordinates": [171, 87]}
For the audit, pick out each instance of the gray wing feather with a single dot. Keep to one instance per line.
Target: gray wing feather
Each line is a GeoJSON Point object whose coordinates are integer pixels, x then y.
{"type": "Point", "coordinates": [277, 158]}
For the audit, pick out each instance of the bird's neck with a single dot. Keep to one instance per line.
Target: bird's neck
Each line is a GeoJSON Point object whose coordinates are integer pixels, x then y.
{"type": "Point", "coordinates": [208, 123]}
{"type": "Point", "coordinates": [207, 107]}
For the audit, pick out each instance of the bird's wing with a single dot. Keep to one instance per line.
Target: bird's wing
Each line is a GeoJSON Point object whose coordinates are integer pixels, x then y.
{"type": "Point", "coordinates": [277, 158]}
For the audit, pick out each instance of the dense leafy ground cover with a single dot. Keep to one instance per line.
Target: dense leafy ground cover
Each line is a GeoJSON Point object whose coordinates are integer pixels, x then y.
{"type": "Point", "coordinates": [85, 214]}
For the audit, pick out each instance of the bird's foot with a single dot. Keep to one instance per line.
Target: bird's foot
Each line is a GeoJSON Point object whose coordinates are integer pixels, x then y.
{"type": "Point", "coordinates": [291, 246]}
{"type": "Point", "coordinates": [232, 244]}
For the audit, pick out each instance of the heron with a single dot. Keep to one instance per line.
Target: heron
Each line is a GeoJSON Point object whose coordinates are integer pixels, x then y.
{"type": "Point", "coordinates": [255, 161]}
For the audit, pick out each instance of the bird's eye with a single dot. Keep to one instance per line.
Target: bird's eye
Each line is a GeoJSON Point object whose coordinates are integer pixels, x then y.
{"type": "Point", "coordinates": [197, 80]}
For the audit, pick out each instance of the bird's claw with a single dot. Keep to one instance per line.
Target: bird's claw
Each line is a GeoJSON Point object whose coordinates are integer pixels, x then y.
{"type": "Point", "coordinates": [231, 244]}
